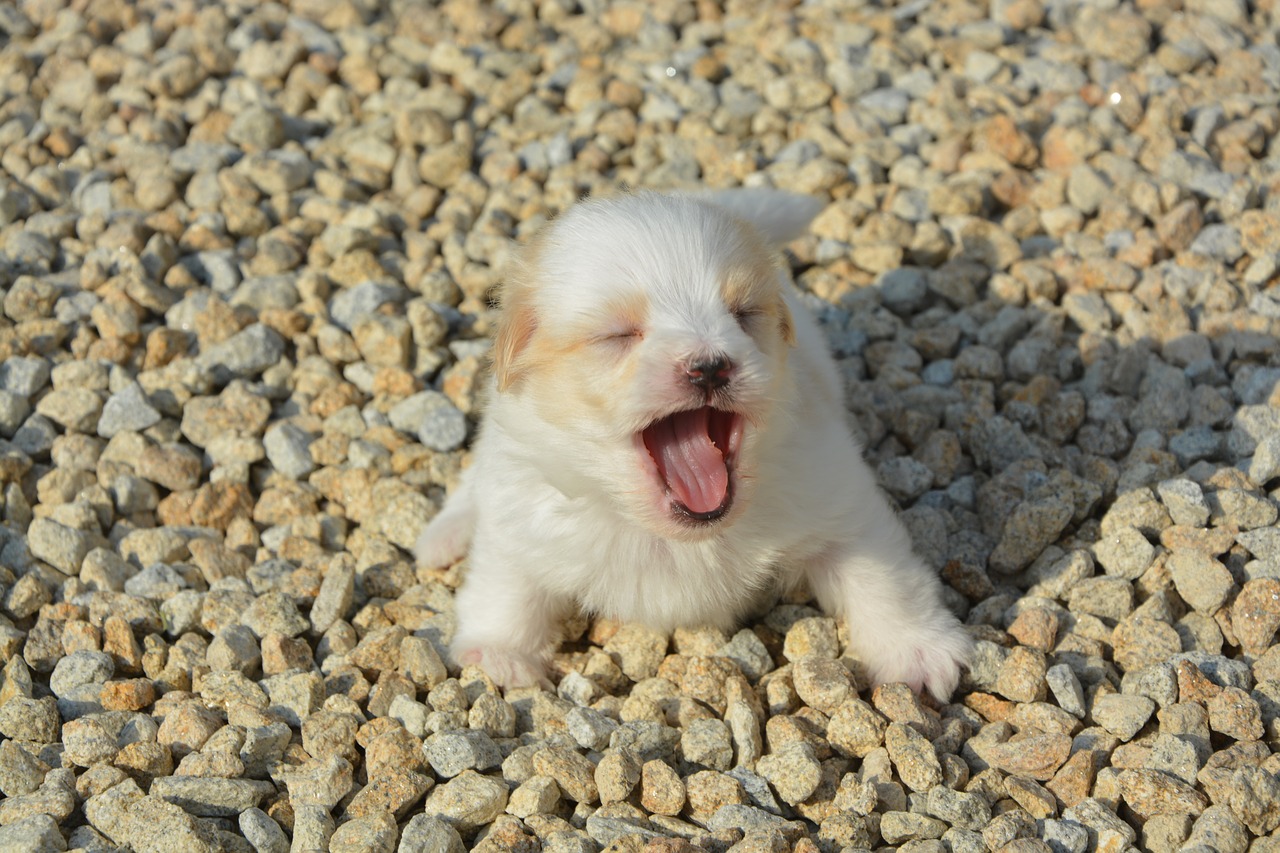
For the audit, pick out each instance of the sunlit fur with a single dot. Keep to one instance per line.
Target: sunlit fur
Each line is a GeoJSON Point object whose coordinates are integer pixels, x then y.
{"type": "Point", "coordinates": [562, 507]}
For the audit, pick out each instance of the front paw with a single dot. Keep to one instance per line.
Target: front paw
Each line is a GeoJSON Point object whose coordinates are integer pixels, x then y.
{"type": "Point", "coordinates": [508, 668]}
{"type": "Point", "coordinates": [443, 542]}
{"type": "Point", "coordinates": [930, 661]}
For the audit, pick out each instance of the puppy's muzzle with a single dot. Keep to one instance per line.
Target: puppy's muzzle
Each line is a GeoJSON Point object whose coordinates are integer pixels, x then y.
{"type": "Point", "coordinates": [711, 373]}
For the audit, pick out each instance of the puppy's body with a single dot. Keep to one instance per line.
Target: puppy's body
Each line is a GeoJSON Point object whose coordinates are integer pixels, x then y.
{"type": "Point", "coordinates": [613, 473]}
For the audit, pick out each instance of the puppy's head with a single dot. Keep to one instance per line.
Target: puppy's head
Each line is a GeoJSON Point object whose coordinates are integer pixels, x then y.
{"type": "Point", "coordinates": [651, 332]}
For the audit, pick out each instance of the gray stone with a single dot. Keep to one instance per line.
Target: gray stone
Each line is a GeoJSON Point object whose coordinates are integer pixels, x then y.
{"type": "Point", "coordinates": [1255, 799]}
{"type": "Point", "coordinates": [1175, 756]}
{"type": "Point", "coordinates": [14, 410]}
{"type": "Point", "coordinates": [1158, 681]}
{"type": "Point", "coordinates": [746, 818]}
{"type": "Point", "coordinates": [468, 801]}
{"type": "Point", "coordinates": [1217, 829]}
{"type": "Point", "coordinates": [280, 171]}
{"type": "Point", "coordinates": [1032, 527]}
{"type": "Point", "coordinates": [337, 592]}
{"type": "Point", "coordinates": [707, 743]}
{"type": "Point", "coordinates": [1124, 553]}
{"type": "Point", "coordinates": [757, 789]}
{"type": "Point", "coordinates": [1196, 443]}
{"type": "Point", "coordinates": [74, 409]}
{"type": "Point", "coordinates": [1185, 501]}
{"type": "Point", "coordinates": [352, 304]}
{"type": "Point", "coordinates": [1245, 509]}
{"type": "Point", "coordinates": [155, 825]}
{"type": "Point", "coordinates": [1086, 189]}
{"type": "Point", "coordinates": [1201, 581]}
{"type": "Point", "coordinates": [967, 811]}
{"type": "Point", "coordinates": [157, 582]}
{"type": "Point", "coordinates": [904, 477]}
{"type": "Point", "coordinates": [1250, 425]}
{"type": "Point", "coordinates": [606, 830]}
{"type": "Point", "coordinates": [1096, 817]}
{"type": "Point", "coordinates": [257, 128]}
{"type": "Point", "coordinates": [649, 740]}
{"type": "Point", "coordinates": [274, 613]}
{"type": "Point", "coordinates": [589, 728]}
{"type": "Point", "coordinates": [127, 410]}
{"type": "Point", "coordinates": [913, 757]}
{"type": "Point", "coordinates": [897, 827]}
{"type": "Point", "coordinates": [1265, 464]}
{"type": "Point", "coordinates": [443, 427]}
{"type": "Point", "coordinates": [904, 290]}
{"type": "Point", "coordinates": [1263, 543]}
{"type": "Point", "coordinates": [312, 827]}
{"type": "Point", "coordinates": [287, 448]}
{"type": "Point", "coordinates": [428, 833]}
{"type": "Point", "coordinates": [263, 747]}
{"type": "Point", "coordinates": [247, 353]}
{"type": "Point", "coordinates": [24, 375]}
{"type": "Point", "coordinates": [1108, 597]}
{"type": "Point", "coordinates": [450, 753]}
{"type": "Point", "coordinates": [37, 833]}
{"type": "Point", "coordinates": [1122, 715]}
{"type": "Point", "coordinates": [32, 720]}
{"type": "Point", "coordinates": [368, 833]}
{"type": "Point", "coordinates": [262, 832]}
{"type": "Point", "coordinates": [888, 106]}
{"type": "Point", "coordinates": [1065, 836]}
{"type": "Point", "coordinates": [78, 669]}
{"type": "Point", "coordinates": [217, 268]}
{"type": "Point", "coordinates": [749, 652]}
{"type": "Point", "coordinates": [266, 291]}
{"type": "Point", "coordinates": [211, 797]}
{"type": "Point", "coordinates": [30, 252]}
{"type": "Point", "coordinates": [35, 437]}
{"type": "Point", "coordinates": [64, 548]}
{"type": "Point", "coordinates": [202, 156]}
{"type": "Point", "coordinates": [1220, 242]}
{"type": "Point", "coordinates": [1088, 310]}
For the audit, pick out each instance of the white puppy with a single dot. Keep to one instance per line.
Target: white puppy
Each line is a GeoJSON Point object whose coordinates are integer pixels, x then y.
{"type": "Point", "coordinates": [666, 442]}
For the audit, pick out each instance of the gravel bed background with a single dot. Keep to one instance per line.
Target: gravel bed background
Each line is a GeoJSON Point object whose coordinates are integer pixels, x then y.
{"type": "Point", "coordinates": [245, 255]}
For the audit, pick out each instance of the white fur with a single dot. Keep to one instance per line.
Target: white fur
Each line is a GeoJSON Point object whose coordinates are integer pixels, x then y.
{"type": "Point", "coordinates": [562, 513]}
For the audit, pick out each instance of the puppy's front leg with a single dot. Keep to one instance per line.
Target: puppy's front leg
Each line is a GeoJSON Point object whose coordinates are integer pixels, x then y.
{"type": "Point", "coordinates": [898, 623]}
{"type": "Point", "coordinates": [445, 539]}
{"type": "Point", "coordinates": [505, 624]}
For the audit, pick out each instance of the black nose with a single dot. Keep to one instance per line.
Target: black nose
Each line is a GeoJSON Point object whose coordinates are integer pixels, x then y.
{"type": "Point", "coordinates": [710, 373]}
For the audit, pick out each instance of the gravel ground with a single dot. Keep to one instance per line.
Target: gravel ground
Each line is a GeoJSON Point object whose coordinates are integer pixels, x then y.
{"type": "Point", "coordinates": [245, 253]}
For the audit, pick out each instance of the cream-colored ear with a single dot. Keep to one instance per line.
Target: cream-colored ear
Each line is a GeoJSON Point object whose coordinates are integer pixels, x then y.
{"type": "Point", "coordinates": [785, 324]}
{"type": "Point", "coordinates": [518, 320]}
{"type": "Point", "coordinates": [516, 326]}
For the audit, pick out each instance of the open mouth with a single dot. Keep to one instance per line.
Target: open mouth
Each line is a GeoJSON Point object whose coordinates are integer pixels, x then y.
{"type": "Point", "coordinates": [695, 452]}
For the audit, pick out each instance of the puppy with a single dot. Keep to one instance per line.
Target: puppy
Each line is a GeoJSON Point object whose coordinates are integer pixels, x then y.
{"type": "Point", "coordinates": [666, 442]}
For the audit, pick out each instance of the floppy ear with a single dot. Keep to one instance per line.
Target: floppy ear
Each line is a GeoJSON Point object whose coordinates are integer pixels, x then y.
{"type": "Point", "coordinates": [785, 324]}
{"type": "Point", "coordinates": [779, 216]}
{"type": "Point", "coordinates": [516, 326]}
{"type": "Point", "coordinates": [518, 319]}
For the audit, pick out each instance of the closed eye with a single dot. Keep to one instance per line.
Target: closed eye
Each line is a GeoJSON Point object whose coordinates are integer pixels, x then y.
{"type": "Point", "coordinates": [745, 315]}
{"type": "Point", "coordinates": [622, 336]}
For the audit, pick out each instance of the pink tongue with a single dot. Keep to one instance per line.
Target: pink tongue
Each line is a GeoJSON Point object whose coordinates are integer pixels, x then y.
{"type": "Point", "coordinates": [688, 460]}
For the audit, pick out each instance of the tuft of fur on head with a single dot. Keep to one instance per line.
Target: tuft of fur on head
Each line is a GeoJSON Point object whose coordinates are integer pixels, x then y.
{"type": "Point", "coordinates": [778, 217]}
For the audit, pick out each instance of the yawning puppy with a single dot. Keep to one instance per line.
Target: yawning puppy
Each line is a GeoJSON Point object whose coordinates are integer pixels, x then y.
{"type": "Point", "coordinates": [666, 442]}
